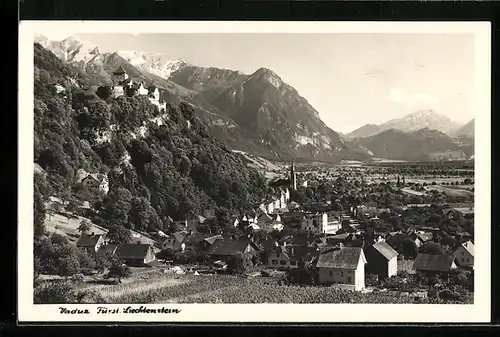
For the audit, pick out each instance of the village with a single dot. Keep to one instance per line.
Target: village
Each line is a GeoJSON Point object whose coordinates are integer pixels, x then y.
{"type": "Point", "coordinates": [354, 229]}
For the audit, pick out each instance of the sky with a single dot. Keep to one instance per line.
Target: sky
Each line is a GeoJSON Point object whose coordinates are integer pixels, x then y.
{"type": "Point", "coordinates": [351, 79]}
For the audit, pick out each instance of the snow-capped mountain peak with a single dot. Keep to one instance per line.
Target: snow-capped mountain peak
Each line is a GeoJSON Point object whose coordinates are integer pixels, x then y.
{"type": "Point", "coordinates": [71, 49]}
{"type": "Point", "coordinates": [154, 63]}
{"type": "Point", "coordinates": [419, 120]}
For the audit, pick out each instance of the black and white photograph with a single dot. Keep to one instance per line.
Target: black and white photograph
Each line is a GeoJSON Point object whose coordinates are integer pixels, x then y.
{"type": "Point", "coordinates": [265, 164]}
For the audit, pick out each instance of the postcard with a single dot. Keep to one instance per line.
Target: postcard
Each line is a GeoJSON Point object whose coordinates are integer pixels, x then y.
{"type": "Point", "coordinates": [275, 172]}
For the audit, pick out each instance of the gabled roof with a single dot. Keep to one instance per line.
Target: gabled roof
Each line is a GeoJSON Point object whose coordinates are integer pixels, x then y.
{"type": "Point", "coordinates": [424, 237]}
{"type": "Point", "coordinates": [133, 250]}
{"type": "Point", "coordinates": [231, 247]}
{"type": "Point", "coordinates": [88, 240]}
{"type": "Point", "coordinates": [387, 251]}
{"type": "Point", "coordinates": [107, 249]}
{"type": "Point", "coordinates": [119, 71]}
{"type": "Point", "coordinates": [428, 262]}
{"type": "Point", "coordinates": [344, 258]}
{"type": "Point", "coordinates": [214, 238]}
{"type": "Point", "coordinates": [195, 238]}
{"type": "Point", "coordinates": [469, 247]}
{"type": "Point", "coordinates": [179, 237]}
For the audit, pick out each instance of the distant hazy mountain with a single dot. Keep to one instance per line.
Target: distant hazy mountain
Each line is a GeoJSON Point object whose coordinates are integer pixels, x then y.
{"type": "Point", "coordinates": [366, 130]}
{"type": "Point", "coordinates": [420, 120]}
{"type": "Point", "coordinates": [465, 130]}
{"type": "Point", "coordinates": [423, 144]}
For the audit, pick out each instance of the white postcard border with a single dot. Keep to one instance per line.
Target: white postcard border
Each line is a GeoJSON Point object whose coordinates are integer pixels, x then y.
{"type": "Point", "coordinates": [321, 313]}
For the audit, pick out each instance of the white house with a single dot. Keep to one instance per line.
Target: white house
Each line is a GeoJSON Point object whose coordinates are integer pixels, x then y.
{"type": "Point", "coordinates": [465, 254]}
{"type": "Point", "coordinates": [142, 90]}
{"type": "Point", "coordinates": [96, 181]}
{"type": "Point", "coordinates": [59, 88]}
{"type": "Point", "coordinates": [345, 266]}
{"type": "Point", "coordinates": [173, 241]}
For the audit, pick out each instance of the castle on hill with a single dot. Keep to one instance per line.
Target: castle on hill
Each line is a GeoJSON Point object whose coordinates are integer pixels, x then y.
{"type": "Point", "coordinates": [123, 85]}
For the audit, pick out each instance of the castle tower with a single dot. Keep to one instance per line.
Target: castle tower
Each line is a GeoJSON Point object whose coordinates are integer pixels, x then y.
{"type": "Point", "coordinates": [293, 177]}
{"type": "Point", "coordinates": [120, 78]}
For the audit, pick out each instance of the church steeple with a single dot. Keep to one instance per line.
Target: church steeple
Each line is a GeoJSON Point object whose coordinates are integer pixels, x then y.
{"type": "Point", "coordinates": [293, 177]}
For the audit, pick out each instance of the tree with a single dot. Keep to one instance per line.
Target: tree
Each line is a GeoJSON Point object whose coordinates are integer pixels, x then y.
{"type": "Point", "coordinates": [116, 206]}
{"type": "Point", "coordinates": [39, 213]}
{"type": "Point", "coordinates": [119, 235]}
{"type": "Point", "coordinates": [433, 248]}
{"type": "Point", "coordinates": [140, 213]}
{"type": "Point", "coordinates": [68, 266]}
{"type": "Point", "coordinates": [237, 264]}
{"type": "Point", "coordinates": [85, 227]}
{"type": "Point", "coordinates": [119, 270]}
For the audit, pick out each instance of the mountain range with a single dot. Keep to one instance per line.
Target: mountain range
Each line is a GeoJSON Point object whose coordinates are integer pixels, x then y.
{"type": "Point", "coordinates": [423, 144]}
{"type": "Point", "coordinates": [415, 121]}
{"type": "Point", "coordinates": [257, 113]}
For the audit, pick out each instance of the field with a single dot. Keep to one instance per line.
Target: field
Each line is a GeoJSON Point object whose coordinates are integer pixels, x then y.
{"type": "Point", "coordinates": [60, 224]}
{"type": "Point", "coordinates": [160, 287]}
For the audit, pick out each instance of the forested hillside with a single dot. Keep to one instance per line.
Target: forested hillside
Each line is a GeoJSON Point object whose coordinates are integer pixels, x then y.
{"type": "Point", "coordinates": [159, 164]}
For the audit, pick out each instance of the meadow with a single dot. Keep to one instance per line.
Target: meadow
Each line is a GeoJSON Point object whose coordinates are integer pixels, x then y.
{"type": "Point", "coordinates": [160, 287]}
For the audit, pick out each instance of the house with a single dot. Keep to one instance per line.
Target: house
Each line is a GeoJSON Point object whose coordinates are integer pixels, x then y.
{"type": "Point", "coordinates": [142, 90]}
{"type": "Point", "coordinates": [290, 257]}
{"type": "Point", "coordinates": [154, 92]}
{"type": "Point", "coordinates": [421, 238]}
{"type": "Point", "coordinates": [186, 225]}
{"type": "Point", "coordinates": [120, 75]}
{"type": "Point", "coordinates": [264, 219]}
{"type": "Point", "coordinates": [224, 249]}
{"type": "Point", "coordinates": [315, 223]}
{"type": "Point", "coordinates": [428, 263]}
{"type": "Point", "coordinates": [173, 241]}
{"type": "Point", "coordinates": [235, 221]}
{"type": "Point", "coordinates": [136, 254]}
{"type": "Point", "coordinates": [59, 89]}
{"type": "Point", "coordinates": [382, 259]}
{"type": "Point", "coordinates": [93, 181]}
{"type": "Point", "coordinates": [345, 265]}
{"type": "Point", "coordinates": [107, 249]}
{"type": "Point", "coordinates": [90, 243]}
{"type": "Point", "coordinates": [464, 254]}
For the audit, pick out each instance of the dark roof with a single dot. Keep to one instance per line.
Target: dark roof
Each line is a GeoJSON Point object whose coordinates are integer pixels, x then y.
{"type": "Point", "coordinates": [231, 247]}
{"type": "Point", "coordinates": [119, 71]}
{"type": "Point", "coordinates": [268, 244]}
{"type": "Point", "coordinates": [88, 240]}
{"type": "Point", "coordinates": [107, 249]}
{"type": "Point", "coordinates": [195, 238]}
{"type": "Point", "coordinates": [344, 258]}
{"type": "Point", "coordinates": [214, 238]}
{"type": "Point", "coordinates": [178, 236]}
{"type": "Point", "coordinates": [424, 237]}
{"type": "Point", "coordinates": [387, 251]}
{"type": "Point", "coordinates": [428, 262]}
{"type": "Point", "coordinates": [133, 251]}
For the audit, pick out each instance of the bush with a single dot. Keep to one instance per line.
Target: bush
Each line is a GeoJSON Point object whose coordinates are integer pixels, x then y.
{"type": "Point", "coordinates": [55, 293]}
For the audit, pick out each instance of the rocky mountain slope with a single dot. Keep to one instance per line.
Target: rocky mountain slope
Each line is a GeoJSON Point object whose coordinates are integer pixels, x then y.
{"type": "Point", "coordinates": [256, 113]}
{"type": "Point", "coordinates": [423, 144]}
{"type": "Point", "coordinates": [464, 130]}
{"type": "Point", "coordinates": [275, 118]}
